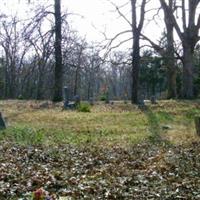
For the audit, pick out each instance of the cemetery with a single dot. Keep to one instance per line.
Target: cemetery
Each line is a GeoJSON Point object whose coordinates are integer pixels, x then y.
{"type": "Point", "coordinates": [100, 99]}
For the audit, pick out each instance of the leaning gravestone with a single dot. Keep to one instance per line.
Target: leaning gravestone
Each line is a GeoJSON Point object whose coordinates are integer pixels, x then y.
{"type": "Point", "coordinates": [197, 124]}
{"type": "Point", "coordinates": [2, 123]}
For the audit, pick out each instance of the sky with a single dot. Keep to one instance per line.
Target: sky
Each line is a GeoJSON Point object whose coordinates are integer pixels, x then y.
{"type": "Point", "coordinates": [99, 16]}
{"type": "Point", "coordinates": [92, 17]}
{"type": "Point", "coordinates": [102, 15]}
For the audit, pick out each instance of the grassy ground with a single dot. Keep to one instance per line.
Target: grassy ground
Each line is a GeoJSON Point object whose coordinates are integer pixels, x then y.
{"type": "Point", "coordinates": [119, 124]}
{"type": "Point", "coordinates": [113, 152]}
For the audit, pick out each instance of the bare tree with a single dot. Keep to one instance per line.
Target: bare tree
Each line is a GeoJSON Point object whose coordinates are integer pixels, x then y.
{"type": "Point", "coordinates": [136, 25]}
{"type": "Point", "coordinates": [92, 64]}
{"type": "Point", "coordinates": [15, 49]}
{"type": "Point", "coordinates": [167, 51]}
{"type": "Point", "coordinates": [43, 48]}
{"type": "Point", "coordinates": [189, 37]}
{"type": "Point", "coordinates": [58, 81]}
{"type": "Point", "coordinates": [169, 57]}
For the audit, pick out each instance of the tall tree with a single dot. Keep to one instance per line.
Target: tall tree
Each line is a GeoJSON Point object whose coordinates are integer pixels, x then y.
{"type": "Point", "coordinates": [136, 26]}
{"type": "Point", "coordinates": [167, 51]}
{"type": "Point", "coordinates": [188, 35]}
{"type": "Point", "coordinates": [58, 80]}
{"type": "Point", "coordinates": [169, 54]}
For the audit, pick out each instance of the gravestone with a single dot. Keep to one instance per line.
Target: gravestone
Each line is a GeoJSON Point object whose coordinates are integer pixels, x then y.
{"type": "Point", "coordinates": [66, 96]}
{"type": "Point", "coordinates": [71, 105]}
{"type": "Point", "coordinates": [77, 100]}
{"type": "Point", "coordinates": [2, 122]}
{"type": "Point", "coordinates": [153, 100]}
{"type": "Point", "coordinates": [141, 104]}
{"type": "Point", "coordinates": [197, 125]}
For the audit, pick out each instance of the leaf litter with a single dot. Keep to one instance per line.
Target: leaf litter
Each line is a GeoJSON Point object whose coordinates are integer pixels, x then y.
{"type": "Point", "coordinates": [144, 171]}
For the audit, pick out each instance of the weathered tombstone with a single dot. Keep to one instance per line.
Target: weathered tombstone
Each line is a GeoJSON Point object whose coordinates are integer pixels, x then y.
{"type": "Point", "coordinates": [153, 100]}
{"type": "Point", "coordinates": [66, 96]}
{"type": "Point", "coordinates": [77, 100]}
{"type": "Point", "coordinates": [197, 124]}
{"type": "Point", "coordinates": [2, 123]}
{"type": "Point", "coordinates": [141, 104]}
{"type": "Point", "coordinates": [71, 105]}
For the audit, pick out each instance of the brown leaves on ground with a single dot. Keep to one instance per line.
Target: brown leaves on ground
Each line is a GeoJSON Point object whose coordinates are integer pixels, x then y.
{"type": "Point", "coordinates": [142, 172]}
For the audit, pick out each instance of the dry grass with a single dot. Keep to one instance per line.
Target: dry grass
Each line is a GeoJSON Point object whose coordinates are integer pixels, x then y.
{"type": "Point", "coordinates": [118, 124]}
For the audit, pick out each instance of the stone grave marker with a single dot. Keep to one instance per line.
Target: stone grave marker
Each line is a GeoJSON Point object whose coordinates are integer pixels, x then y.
{"type": "Point", "coordinates": [66, 96]}
{"type": "Point", "coordinates": [197, 125]}
{"type": "Point", "coordinates": [77, 100]}
{"type": "Point", "coordinates": [2, 122]}
{"type": "Point", "coordinates": [153, 100]}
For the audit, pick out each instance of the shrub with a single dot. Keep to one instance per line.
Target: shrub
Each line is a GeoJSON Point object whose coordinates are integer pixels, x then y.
{"type": "Point", "coordinates": [83, 107]}
{"type": "Point", "coordinates": [103, 98]}
{"type": "Point", "coordinates": [20, 97]}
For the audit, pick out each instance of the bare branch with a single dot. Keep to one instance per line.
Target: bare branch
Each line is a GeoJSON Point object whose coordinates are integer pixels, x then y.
{"type": "Point", "coordinates": [183, 15]}
{"type": "Point", "coordinates": [120, 13]}
{"type": "Point", "coordinates": [117, 35]}
{"type": "Point", "coordinates": [116, 46]}
{"type": "Point", "coordinates": [156, 47]}
{"type": "Point", "coordinates": [142, 13]}
{"type": "Point", "coordinates": [170, 14]}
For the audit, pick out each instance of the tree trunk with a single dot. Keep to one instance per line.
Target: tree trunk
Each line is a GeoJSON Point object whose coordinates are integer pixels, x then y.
{"type": "Point", "coordinates": [39, 87]}
{"type": "Point", "coordinates": [12, 81]}
{"type": "Point", "coordinates": [135, 68]}
{"type": "Point", "coordinates": [58, 79]}
{"type": "Point", "coordinates": [136, 26]}
{"type": "Point", "coordinates": [187, 72]}
{"type": "Point", "coordinates": [170, 60]}
{"type": "Point", "coordinates": [172, 90]}
{"type": "Point", "coordinates": [76, 80]}
{"type": "Point", "coordinates": [6, 82]}
{"type": "Point", "coordinates": [189, 38]}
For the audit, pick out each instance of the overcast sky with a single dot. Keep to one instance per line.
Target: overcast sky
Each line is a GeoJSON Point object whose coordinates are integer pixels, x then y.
{"type": "Point", "coordinates": [103, 16]}
{"type": "Point", "coordinates": [96, 13]}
